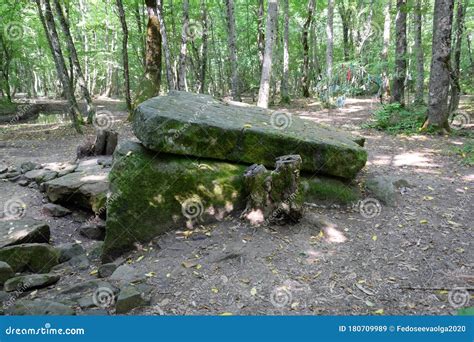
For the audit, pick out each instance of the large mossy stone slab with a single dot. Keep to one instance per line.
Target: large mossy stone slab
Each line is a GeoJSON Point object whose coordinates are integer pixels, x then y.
{"type": "Point", "coordinates": [198, 125]}
{"type": "Point", "coordinates": [153, 193]}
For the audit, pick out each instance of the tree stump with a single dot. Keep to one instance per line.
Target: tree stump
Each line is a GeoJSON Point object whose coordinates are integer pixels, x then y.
{"type": "Point", "coordinates": [274, 196]}
{"type": "Point", "coordinates": [104, 145]}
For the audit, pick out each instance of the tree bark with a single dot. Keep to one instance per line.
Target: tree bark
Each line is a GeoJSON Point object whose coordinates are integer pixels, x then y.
{"type": "Point", "coordinates": [233, 50]}
{"type": "Point", "coordinates": [75, 61]}
{"type": "Point", "coordinates": [455, 74]}
{"type": "Point", "coordinates": [204, 48]}
{"type": "Point", "coordinates": [47, 19]}
{"type": "Point", "coordinates": [440, 65]}
{"type": "Point", "coordinates": [126, 73]}
{"type": "Point", "coordinates": [385, 91]}
{"type": "Point", "coordinates": [398, 89]}
{"type": "Point", "coordinates": [330, 39]}
{"type": "Point", "coordinates": [166, 48]}
{"type": "Point", "coordinates": [420, 63]}
{"type": "Point", "coordinates": [285, 98]}
{"type": "Point", "coordinates": [260, 34]}
{"type": "Point", "coordinates": [183, 51]}
{"type": "Point", "coordinates": [270, 35]}
{"type": "Point", "coordinates": [153, 47]}
{"type": "Point", "coordinates": [345, 14]}
{"type": "Point", "coordinates": [305, 81]}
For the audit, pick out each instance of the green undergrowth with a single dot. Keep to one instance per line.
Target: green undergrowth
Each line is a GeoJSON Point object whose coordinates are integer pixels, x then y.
{"type": "Point", "coordinates": [394, 118]}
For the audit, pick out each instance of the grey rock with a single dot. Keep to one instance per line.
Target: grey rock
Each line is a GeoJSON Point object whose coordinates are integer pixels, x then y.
{"type": "Point", "coordinates": [95, 312]}
{"type": "Point", "coordinates": [30, 282]}
{"type": "Point", "coordinates": [69, 250]}
{"type": "Point", "coordinates": [39, 308]}
{"type": "Point", "coordinates": [40, 176]}
{"type": "Point", "coordinates": [33, 257]}
{"type": "Point", "coordinates": [383, 189]}
{"type": "Point", "coordinates": [86, 187]}
{"type": "Point", "coordinates": [106, 270]}
{"type": "Point", "coordinates": [95, 251]}
{"type": "Point", "coordinates": [55, 210]}
{"type": "Point", "coordinates": [126, 274]}
{"type": "Point", "coordinates": [25, 230]}
{"type": "Point", "coordinates": [6, 272]}
{"type": "Point", "coordinates": [28, 166]}
{"type": "Point", "coordinates": [23, 182]}
{"type": "Point", "coordinates": [80, 262]}
{"type": "Point", "coordinates": [93, 230]}
{"type": "Point", "coordinates": [401, 183]}
{"type": "Point", "coordinates": [129, 298]}
{"type": "Point", "coordinates": [3, 169]}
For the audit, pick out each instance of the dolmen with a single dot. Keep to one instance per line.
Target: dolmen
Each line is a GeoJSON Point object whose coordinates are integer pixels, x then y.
{"type": "Point", "coordinates": [193, 153]}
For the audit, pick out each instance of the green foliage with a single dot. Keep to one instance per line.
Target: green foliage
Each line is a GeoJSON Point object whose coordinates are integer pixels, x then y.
{"type": "Point", "coordinates": [466, 152]}
{"type": "Point", "coordinates": [395, 118]}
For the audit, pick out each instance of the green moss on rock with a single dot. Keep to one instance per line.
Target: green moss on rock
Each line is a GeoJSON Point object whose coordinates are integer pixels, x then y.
{"type": "Point", "coordinates": [153, 193]}
{"type": "Point", "coordinates": [323, 189]}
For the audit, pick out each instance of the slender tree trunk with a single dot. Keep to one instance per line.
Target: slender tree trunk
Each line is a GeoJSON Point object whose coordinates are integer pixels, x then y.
{"type": "Point", "coordinates": [47, 19]}
{"type": "Point", "coordinates": [330, 39]}
{"type": "Point", "coordinates": [75, 61]}
{"type": "Point", "coordinates": [285, 98]}
{"type": "Point", "coordinates": [455, 74]}
{"type": "Point", "coordinates": [470, 52]}
{"type": "Point", "coordinates": [345, 15]}
{"type": "Point", "coordinates": [420, 63]}
{"type": "Point", "coordinates": [440, 65]}
{"type": "Point", "coordinates": [305, 80]}
{"type": "Point", "coordinates": [126, 73]}
{"type": "Point", "coordinates": [233, 50]}
{"type": "Point", "coordinates": [166, 48]}
{"type": "Point", "coordinates": [153, 47]}
{"type": "Point", "coordinates": [183, 52]}
{"type": "Point", "coordinates": [204, 48]}
{"type": "Point", "coordinates": [385, 91]}
{"type": "Point", "coordinates": [270, 35]}
{"type": "Point", "coordinates": [260, 34]}
{"type": "Point", "coordinates": [138, 19]}
{"type": "Point", "coordinates": [398, 89]}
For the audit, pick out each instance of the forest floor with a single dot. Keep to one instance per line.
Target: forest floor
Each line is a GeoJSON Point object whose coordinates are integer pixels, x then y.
{"type": "Point", "coordinates": [402, 262]}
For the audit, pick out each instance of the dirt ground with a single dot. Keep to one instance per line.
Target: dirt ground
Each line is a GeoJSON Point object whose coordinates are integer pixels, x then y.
{"type": "Point", "coordinates": [403, 261]}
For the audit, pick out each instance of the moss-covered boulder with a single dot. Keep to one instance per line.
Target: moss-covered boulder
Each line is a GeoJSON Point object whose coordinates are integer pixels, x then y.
{"type": "Point", "coordinates": [33, 257]}
{"type": "Point", "coordinates": [198, 125]}
{"type": "Point", "coordinates": [153, 193]}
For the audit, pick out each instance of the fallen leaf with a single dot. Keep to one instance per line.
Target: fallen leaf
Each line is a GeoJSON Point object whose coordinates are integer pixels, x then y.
{"type": "Point", "coordinates": [374, 237]}
{"type": "Point", "coordinates": [150, 274]}
{"type": "Point", "coordinates": [214, 290]}
{"type": "Point", "coordinates": [379, 312]}
{"type": "Point", "coordinates": [253, 291]}
{"type": "Point", "coordinates": [423, 221]}
{"type": "Point", "coordinates": [226, 314]}
{"type": "Point", "coordinates": [140, 258]}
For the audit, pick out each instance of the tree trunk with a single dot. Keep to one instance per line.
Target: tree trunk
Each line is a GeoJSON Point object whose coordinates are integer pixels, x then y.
{"type": "Point", "coordinates": [345, 15]}
{"type": "Point", "coordinates": [205, 36]}
{"type": "Point", "coordinates": [330, 39]}
{"type": "Point", "coordinates": [420, 64]}
{"type": "Point", "coordinates": [270, 35]}
{"type": "Point", "coordinates": [285, 98]}
{"type": "Point", "coordinates": [166, 48]}
{"type": "Point", "coordinates": [47, 19]}
{"type": "Point", "coordinates": [385, 91]}
{"type": "Point", "coordinates": [440, 65]}
{"type": "Point", "coordinates": [398, 89]}
{"type": "Point", "coordinates": [233, 50]}
{"type": "Point", "coordinates": [455, 74]}
{"type": "Point", "coordinates": [305, 81]}
{"type": "Point", "coordinates": [260, 34]}
{"type": "Point", "coordinates": [153, 47]}
{"type": "Point", "coordinates": [183, 51]}
{"type": "Point", "coordinates": [126, 73]}
{"type": "Point", "coordinates": [75, 61]}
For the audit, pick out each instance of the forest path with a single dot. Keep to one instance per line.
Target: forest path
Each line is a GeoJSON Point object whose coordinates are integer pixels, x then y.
{"type": "Point", "coordinates": [402, 261]}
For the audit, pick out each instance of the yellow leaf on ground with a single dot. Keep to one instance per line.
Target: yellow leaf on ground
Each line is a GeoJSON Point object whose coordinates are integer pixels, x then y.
{"type": "Point", "coordinates": [214, 290]}
{"type": "Point", "coordinates": [374, 237]}
{"type": "Point", "coordinates": [423, 221]}
{"type": "Point", "coordinates": [226, 314]}
{"type": "Point", "coordinates": [379, 312]}
{"type": "Point", "coordinates": [253, 291]}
